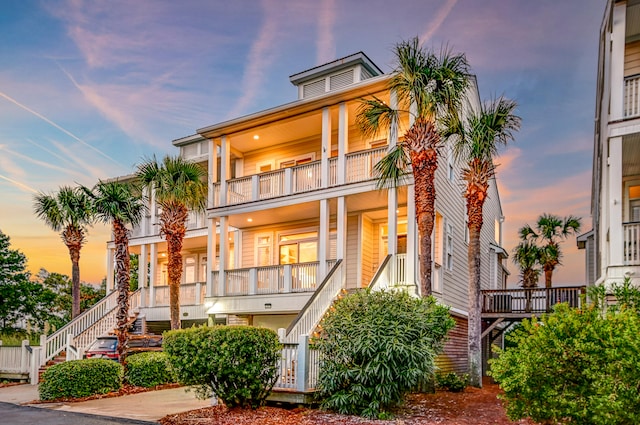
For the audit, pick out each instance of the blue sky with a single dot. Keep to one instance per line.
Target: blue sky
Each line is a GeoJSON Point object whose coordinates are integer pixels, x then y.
{"type": "Point", "coordinates": [89, 88]}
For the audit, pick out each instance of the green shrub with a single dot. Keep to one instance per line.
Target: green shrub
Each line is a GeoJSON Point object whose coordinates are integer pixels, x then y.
{"type": "Point", "coordinates": [149, 369]}
{"type": "Point", "coordinates": [452, 382]}
{"type": "Point", "coordinates": [375, 347]}
{"type": "Point", "coordinates": [237, 363]}
{"type": "Point", "coordinates": [81, 378]}
{"type": "Point", "coordinates": [574, 365]}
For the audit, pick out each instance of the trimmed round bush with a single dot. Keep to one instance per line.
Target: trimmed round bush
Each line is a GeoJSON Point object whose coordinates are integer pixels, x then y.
{"type": "Point", "coordinates": [237, 363]}
{"type": "Point", "coordinates": [81, 378]}
{"type": "Point", "coordinates": [149, 369]}
{"type": "Point", "coordinates": [375, 347]}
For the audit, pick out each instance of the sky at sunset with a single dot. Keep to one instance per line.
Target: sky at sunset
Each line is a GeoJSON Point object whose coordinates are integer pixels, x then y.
{"type": "Point", "coordinates": [89, 88]}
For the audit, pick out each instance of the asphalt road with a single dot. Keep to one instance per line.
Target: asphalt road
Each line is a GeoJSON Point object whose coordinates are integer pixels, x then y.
{"type": "Point", "coordinates": [11, 414]}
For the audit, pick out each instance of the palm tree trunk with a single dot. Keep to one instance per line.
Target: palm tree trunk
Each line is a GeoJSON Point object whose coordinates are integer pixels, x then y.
{"type": "Point", "coordinates": [173, 227]}
{"type": "Point", "coordinates": [424, 164]}
{"type": "Point", "coordinates": [73, 238]}
{"type": "Point", "coordinates": [122, 279]}
{"type": "Point", "coordinates": [548, 275]}
{"type": "Point", "coordinates": [475, 202]}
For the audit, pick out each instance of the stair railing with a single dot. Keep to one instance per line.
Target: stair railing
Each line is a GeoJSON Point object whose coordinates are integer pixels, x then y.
{"type": "Point", "coordinates": [315, 308]}
{"type": "Point", "coordinates": [96, 319]}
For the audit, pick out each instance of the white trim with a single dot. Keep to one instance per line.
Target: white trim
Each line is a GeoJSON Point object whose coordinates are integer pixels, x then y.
{"type": "Point", "coordinates": [257, 245]}
{"type": "Point", "coordinates": [271, 163]}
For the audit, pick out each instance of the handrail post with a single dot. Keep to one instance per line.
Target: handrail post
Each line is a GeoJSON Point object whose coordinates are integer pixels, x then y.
{"type": "Point", "coordinates": [34, 375]}
{"type": "Point", "coordinates": [43, 352]}
{"type": "Point", "coordinates": [302, 364]}
{"type": "Point", "coordinates": [287, 278]}
{"type": "Point", "coordinates": [24, 357]}
{"type": "Point", "coordinates": [68, 347]}
{"type": "Point", "coordinates": [253, 281]}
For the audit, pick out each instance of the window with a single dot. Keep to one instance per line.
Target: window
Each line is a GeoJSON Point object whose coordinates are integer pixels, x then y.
{"type": "Point", "coordinates": [466, 223]}
{"type": "Point", "coordinates": [303, 159]}
{"type": "Point", "coordinates": [203, 267]}
{"type": "Point", "coordinates": [438, 240]}
{"type": "Point", "coordinates": [189, 270]}
{"type": "Point", "coordinates": [263, 250]}
{"type": "Point", "coordinates": [448, 260]}
{"type": "Point", "coordinates": [382, 143]}
{"type": "Point", "coordinates": [634, 203]}
{"type": "Point", "coordinates": [298, 248]}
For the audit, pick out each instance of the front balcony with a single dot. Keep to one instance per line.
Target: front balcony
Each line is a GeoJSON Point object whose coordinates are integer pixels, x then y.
{"type": "Point", "coordinates": [524, 303]}
{"type": "Point", "coordinates": [302, 178]}
{"type": "Point", "coordinates": [279, 279]}
{"type": "Point", "coordinates": [150, 226]}
{"type": "Point", "coordinates": [632, 96]}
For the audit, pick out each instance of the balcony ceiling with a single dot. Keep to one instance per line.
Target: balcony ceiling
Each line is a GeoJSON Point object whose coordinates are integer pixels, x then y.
{"type": "Point", "coordinates": [297, 128]}
{"type": "Point", "coordinates": [633, 21]}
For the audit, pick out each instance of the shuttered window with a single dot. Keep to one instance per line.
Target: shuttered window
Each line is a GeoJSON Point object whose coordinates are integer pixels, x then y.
{"type": "Point", "coordinates": [341, 80]}
{"type": "Point", "coordinates": [313, 89]}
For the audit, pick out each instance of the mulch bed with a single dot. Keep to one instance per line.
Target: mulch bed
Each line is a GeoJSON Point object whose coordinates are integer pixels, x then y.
{"type": "Point", "coordinates": [472, 407]}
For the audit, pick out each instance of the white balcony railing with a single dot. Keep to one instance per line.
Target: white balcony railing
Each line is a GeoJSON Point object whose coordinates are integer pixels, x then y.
{"type": "Point", "coordinates": [632, 96]}
{"type": "Point", "coordinates": [631, 243]}
{"type": "Point", "coordinates": [190, 294]}
{"type": "Point", "coordinates": [302, 178]}
{"type": "Point", "coordinates": [287, 278]}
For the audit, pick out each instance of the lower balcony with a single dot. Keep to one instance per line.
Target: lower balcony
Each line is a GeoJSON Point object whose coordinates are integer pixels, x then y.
{"type": "Point", "coordinates": [523, 303]}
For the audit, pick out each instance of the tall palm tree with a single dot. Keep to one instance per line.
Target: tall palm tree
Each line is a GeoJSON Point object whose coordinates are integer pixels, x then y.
{"type": "Point", "coordinates": [119, 204]}
{"type": "Point", "coordinates": [427, 86]}
{"type": "Point", "coordinates": [179, 186]}
{"type": "Point", "coordinates": [69, 212]}
{"type": "Point", "coordinates": [551, 230]}
{"type": "Point", "coordinates": [476, 140]}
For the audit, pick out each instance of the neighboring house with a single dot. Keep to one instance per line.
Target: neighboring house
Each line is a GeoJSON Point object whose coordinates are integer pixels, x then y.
{"type": "Point", "coordinates": [293, 203]}
{"type": "Point", "coordinates": [613, 246]}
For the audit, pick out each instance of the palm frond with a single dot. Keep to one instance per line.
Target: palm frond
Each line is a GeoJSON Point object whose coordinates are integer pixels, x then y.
{"type": "Point", "coordinates": [374, 115]}
{"type": "Point", "coordinates": [392, 169]}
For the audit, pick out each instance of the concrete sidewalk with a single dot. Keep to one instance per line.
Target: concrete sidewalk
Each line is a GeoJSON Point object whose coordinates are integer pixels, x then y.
{"type": "Point", "coordinates": [148, 406]}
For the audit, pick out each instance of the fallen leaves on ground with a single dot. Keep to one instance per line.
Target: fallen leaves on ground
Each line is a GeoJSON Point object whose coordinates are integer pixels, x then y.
{"type": "Point", "coordinates": [474, 406]}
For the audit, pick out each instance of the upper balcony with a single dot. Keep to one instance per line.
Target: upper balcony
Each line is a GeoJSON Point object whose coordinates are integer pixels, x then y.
{"type": "Point", "coordinates": [298, 179]}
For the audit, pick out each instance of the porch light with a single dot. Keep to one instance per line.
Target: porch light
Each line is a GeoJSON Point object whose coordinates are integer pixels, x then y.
{"type": "Point", "coordinates": [256, 137]}
{"type": "Point", "coordinates": [249, 220]}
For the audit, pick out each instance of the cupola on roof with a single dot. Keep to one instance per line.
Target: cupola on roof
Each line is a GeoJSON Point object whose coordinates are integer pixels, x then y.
{"type": "Point", "coordinates": [334, 75]}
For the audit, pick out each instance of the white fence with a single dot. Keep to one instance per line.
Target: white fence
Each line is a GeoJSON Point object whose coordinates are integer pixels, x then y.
{"type": "Point", "coordinates": [298, 366]}
{"type": "Point", "coordinates": [631, 244]}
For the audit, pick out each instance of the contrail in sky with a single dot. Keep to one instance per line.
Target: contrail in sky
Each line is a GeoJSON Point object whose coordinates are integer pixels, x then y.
{"type": "Point", "coordinates": [17, 183]}
{"type": "Point", "coordinates": [438, 20]}
{"type": "Point", "coordinates": [47, 120]}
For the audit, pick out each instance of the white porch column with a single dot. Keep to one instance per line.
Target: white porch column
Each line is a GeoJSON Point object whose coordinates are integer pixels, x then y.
{"type": "Point", "coordinates": [212, 171]}
{"type": "Point", "coordinates": [153, 272]}
{"type": "Point", "coordinates": [343, 137]}
{"type": "Point", "coordinates": [341, 222]}
{"type": "Point", "coordinates": [392, 198]}
{"type": "Point", "coordinates": [224, 253]}
{"type": "Point", "coordinates": [393, 129]}
{"type": "Point", "coordinates": [412, 233]}
{"type": "Point", "coordinates": [323, 240]}
{"type": "Point", "coordinates": [211, 254]}
{"type": "Point", "coordinates": [143, 283]}
{"type": "Point", "coordinates": [326, 145]}
{"type": "Point", "coordinates": [618, 38]}
{"type": "Point", "coordinates": [225, 168]}
{"type": "Point", "coordinates": [615, 203]}
{"type": "Point", "coordinates": [153, 218]}
{"type": "Point", "coordinates": [110, 278]}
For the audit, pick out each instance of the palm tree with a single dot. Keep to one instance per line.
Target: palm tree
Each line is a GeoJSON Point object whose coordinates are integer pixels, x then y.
{"type": "Point", "coordinates": [427, 86]}
{"type": "Point", "coordinates": [551, 229]}
{"type": "Point", "coordinates": [68, 211]}
{"type": "Point", "coordinates": [476, 140]}
{"type": "Point", "coordinates": [117, 203]}
{"type": "Point", "coordinates": [526, 255]}
{"type": "Point", "coordinates": [179, 186]}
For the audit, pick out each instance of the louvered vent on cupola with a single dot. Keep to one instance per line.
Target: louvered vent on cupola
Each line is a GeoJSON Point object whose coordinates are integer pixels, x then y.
{"type": "Point", "coordinates": [334, 75]}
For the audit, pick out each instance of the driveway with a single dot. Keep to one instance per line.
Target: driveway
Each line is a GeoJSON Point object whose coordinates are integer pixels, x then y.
{"type": "Point", "coordinates": [27, 415]}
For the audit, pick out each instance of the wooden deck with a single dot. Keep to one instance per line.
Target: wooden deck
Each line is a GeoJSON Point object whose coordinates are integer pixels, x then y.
{"type": "Point", "coordinates": [523, 303]}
